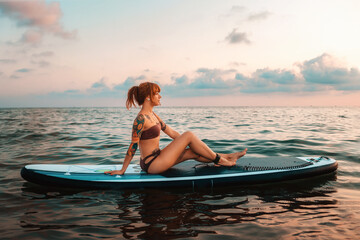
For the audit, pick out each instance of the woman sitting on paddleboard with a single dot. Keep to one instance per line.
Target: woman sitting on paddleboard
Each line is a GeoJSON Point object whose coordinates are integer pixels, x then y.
{"type": "Point", "coordinates": [146, 135]}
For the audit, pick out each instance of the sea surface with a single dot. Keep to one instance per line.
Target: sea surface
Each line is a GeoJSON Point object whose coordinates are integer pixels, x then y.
{"type": "Point", "coordinates": [325, 207]}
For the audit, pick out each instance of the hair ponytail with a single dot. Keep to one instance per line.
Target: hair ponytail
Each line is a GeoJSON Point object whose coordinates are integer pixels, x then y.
{"type": "Point", "coordinates": [132, 93]}
{"type": "Point", "coordinates": [139, 93]}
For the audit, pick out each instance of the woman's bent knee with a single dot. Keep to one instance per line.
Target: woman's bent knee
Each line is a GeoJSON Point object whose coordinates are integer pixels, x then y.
{"type": "Point", "coordinates": [188, 134]}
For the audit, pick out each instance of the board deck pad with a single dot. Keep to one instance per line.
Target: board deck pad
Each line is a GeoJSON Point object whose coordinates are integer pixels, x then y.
{"type": "Point", "coordinates": [192, 168]}
{"type": "Point", "coordinates": [271, 163]}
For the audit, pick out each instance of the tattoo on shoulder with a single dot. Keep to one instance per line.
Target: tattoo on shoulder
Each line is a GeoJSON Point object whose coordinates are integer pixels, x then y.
{"type": "Point", "coordinates": [148, 117]}
{"type": "Point", "coordinates": [140, 118]}
{"type": "Point", "coordinates": [138, 124]}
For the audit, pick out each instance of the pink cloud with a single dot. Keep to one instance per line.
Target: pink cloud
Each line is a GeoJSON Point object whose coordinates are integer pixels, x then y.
{"type": "Point", "coordinates": [32, 37]}
{"type": "Point", "coordinates": [39, 14]}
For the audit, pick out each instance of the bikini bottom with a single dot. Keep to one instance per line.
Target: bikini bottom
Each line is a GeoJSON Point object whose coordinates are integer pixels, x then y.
{"type": "Point", "coordinates": [145, 166]}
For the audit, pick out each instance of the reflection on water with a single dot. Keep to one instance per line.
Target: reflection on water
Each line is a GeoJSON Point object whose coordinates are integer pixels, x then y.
{"type": "Point", "coordinates": [290, 209]}
{"type": "Point", "coordinates": [169, 215]}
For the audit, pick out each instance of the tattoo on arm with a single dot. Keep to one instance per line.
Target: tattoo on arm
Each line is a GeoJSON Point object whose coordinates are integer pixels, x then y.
{"type": "Point", "coordinates": [138, 127]}
{"type": "Point", "coordinates": [163, 126]}
{"type": "Point", "coordinates": [132, 149]}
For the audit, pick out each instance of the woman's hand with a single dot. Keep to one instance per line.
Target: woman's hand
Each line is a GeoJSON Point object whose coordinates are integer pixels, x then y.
{"type": "Point", "coordinates": [116, 172]}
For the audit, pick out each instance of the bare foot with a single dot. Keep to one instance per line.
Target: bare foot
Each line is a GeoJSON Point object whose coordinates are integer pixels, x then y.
{"type": "Point", "coordinates": [233, 157]}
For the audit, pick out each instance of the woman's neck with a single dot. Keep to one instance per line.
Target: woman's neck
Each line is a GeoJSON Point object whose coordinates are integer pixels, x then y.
{"type": "Point", "coordinates": [147, 107]}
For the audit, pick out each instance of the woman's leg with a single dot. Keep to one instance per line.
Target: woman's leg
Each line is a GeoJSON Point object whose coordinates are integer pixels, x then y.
{"type": "Point", "coordinates": [170, 155]}
{"type": "Point", "coordinates": [189, 154]}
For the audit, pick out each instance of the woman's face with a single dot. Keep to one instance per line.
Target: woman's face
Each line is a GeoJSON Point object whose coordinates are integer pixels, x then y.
{"type": "Point", "coordinates": [156, 99]}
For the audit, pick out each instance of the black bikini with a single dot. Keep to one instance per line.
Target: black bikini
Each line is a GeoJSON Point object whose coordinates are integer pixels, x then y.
{"type": "Point", "coordinates": [152, 132]}
{"type": "Point", "coordinates": [145, 166]}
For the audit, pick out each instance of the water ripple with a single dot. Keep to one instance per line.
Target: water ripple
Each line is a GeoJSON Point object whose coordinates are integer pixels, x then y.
{"type": "Point", "coordinates": [325, 207]}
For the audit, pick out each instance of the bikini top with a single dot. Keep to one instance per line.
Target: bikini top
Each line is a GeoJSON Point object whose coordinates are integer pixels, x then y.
{"type": "Point", "coordinates": [151, 133]}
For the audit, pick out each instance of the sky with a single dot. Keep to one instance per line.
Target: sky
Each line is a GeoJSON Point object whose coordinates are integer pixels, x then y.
{"type": "Point", "coordinates": [75, 53]}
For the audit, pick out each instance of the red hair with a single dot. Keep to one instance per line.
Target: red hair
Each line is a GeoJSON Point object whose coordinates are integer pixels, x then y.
{"type": "Point", "coordinates": [139, 93]}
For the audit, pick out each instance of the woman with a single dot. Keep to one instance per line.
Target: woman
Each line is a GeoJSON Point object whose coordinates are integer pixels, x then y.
{"type": "Point", "coordinates": [146, 135]}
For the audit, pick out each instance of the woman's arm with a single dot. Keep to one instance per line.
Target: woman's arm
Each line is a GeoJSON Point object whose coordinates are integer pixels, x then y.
{"type": "Point", "coordinates": [138, 127]}
{"type": "Point", "coordinates": [167, 129]}
{"type": "Point", "coordinates": [171, 132]}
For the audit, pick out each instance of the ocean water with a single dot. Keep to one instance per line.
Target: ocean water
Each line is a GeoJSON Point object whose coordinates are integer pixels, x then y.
{"type": "Point", "coordinates": [325, 207]}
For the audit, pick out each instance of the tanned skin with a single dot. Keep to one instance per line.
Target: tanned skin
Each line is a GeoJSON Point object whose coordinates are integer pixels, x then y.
{"type": "Point", "coordinates": [183, 147]}
{"type": "Point", "coordinates": [138, 127]}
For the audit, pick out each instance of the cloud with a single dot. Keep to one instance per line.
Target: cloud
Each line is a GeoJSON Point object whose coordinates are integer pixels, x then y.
{"type": "Point", "coordinates": [210, 78]}
{"type": "Point", "coordinates": [259, 16]}
{"type": "Point", "coordinates": [43, 54]}
{"type": "Point", "coordinates": [14, 76]}
{"type": "Point", "coordinates": [244, 18]}
{"type": "Point", "coordinates": [236, 64]}
{"type": "Point", "coordinates": [241, 12]}
{"type": "Point", "coordinates": [99, 85]}
{"type": "Point", "coordinates": [234, 11]}
{"type": "Point", "coordinates": [269, 80]}
{"type": "Point", "coordinates": [23, 70]}
{"type": "Point", "coordinates": [129, 82]}
{"type": "Point", "coordinates": [237, 37]}
{"type": "Point", "coordinates": [99, 89]}
{"type": "Point", "coordinates": [320, 74]}
{"type": "Point", "coordinates": [237, 9]}
{"type": "Point", "coordinates": [8, 61]}
{"type": "Point", "coordinates": [215, 82]}
{"type": "Point", "coordinates": [41, 64]}
{"type": "Point", "coordinates": [41, 59]}
{"type": "Point", "coordinates": [316, 76]}
{"type": "Point", "coordinates": [32, 37]}
{"type": "Point", "coordinates": [328, 71]}
{"type": "Point", "coordinates": [20, 71]}
{"type": "Point", "coordinates": [207, 82]}
{"type": "Point", "coordinates": [44, 17]}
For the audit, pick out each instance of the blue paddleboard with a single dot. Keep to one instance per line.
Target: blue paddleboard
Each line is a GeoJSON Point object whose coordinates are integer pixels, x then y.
{"type": "Point", "coordinates": [248, 170]}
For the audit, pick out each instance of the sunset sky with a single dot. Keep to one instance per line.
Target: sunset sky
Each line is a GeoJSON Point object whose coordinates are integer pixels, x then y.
{"type": "Point", "coordinates": [201, 52]}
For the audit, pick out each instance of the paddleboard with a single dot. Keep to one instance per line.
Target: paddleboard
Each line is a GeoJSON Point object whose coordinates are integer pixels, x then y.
{"type": "Point", "coordinates": [248, 170]}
